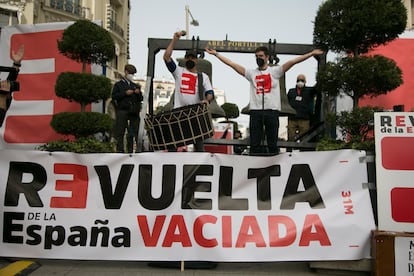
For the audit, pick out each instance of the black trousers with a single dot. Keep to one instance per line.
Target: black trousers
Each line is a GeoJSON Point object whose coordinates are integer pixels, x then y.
{"type": "Point", "coordinates": [128, 121]}
{"type": "Point", "coordinates": [264, 122]}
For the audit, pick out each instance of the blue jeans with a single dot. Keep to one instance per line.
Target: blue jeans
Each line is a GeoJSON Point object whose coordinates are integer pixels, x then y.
{"type": "Point", "coordinates": [264, 122]}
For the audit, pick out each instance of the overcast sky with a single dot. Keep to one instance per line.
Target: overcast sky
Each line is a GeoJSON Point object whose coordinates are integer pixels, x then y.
{"type": "Point", "coordinates": [256, 21]}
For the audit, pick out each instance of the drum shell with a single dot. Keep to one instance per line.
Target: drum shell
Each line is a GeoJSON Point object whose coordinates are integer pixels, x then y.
{"type": "Point", "coordinates": [179, 127]}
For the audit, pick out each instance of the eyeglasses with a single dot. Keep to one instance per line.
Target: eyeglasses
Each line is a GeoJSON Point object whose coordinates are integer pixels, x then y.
{"type": "Point", "coordinates": [300, 80]}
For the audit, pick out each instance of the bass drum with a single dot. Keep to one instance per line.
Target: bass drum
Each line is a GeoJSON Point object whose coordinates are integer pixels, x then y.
{"type": "Point", "coordinates": [179, 127]}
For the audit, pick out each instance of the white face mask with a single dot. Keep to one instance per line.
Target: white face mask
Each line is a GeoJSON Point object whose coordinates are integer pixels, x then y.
{"type": "Point", "coordinates": [130, 77]}
{"type": "Point", "coordinates": [300, 84]}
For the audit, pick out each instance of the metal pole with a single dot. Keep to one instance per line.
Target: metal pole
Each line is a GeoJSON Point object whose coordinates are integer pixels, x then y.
{"type": "Point", "coordinates": [140, 142]}
{"type": "Point", "coordinates": [187, 22]}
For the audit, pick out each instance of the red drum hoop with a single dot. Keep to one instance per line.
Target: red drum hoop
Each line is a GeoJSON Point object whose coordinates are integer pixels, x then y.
{"type": "Point", "coordinates": [179, 127]}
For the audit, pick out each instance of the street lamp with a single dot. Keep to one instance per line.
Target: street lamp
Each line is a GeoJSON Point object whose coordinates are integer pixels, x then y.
{"type": "Point", "coordinates": [187, 21]}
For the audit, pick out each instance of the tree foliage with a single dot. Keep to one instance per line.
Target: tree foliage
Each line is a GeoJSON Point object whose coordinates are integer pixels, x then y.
{"type": "Point", "coordinates": [81, 145]}
{"type": "Point", "coordinates": [81, 124]}
{"type": "Point", "coordinates": [86, 42]}
{"type": "Point", "coordinates": [357, 128]}
{"type": "Point", "coordinates": [231, 110]}
{"type": "Point", "coordinates": [360, 76]}
{"type": "Point", "coordinates": [83, 88]}
{"type": "Point", "coordinates": [358, 25]}
{"type": "Point", "coordinates": [357, 124]}
{"type": "Point", "coordinates": [355, 27]}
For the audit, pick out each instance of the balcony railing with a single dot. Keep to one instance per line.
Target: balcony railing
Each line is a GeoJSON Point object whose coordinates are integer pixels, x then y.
{"type": "Point", "coordinates": [67, 6]}
{"type": "Point", "coordinates": [115, 27]}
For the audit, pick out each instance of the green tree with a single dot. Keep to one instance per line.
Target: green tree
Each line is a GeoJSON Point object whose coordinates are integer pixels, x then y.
{"type": "Point", "coordinates": [380, 76]}
{"type": "Point", "coordinates": [355, 27]}
{"type": "Point", "coordinates": [231, 110]}
{"type": "Point", "coordinates": [87, 43]}
{"type": "Point", "coordinates": [356, 125]}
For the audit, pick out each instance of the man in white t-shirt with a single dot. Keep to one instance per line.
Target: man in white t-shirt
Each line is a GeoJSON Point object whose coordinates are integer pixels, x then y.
{"type": "Point", "coordinates": [265, 102]}
{"type": "Point", "coordinates": [186, 80]}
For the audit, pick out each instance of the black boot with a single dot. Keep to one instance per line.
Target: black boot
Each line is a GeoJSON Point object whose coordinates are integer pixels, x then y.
{"type": "Point", "coordinates": [2, 115]}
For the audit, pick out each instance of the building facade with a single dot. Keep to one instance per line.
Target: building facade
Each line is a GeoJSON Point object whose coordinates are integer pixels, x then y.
{"type": "Point", "coordinates": [409, 4]}
{"type": "Point", "coordinates": [113, 14]}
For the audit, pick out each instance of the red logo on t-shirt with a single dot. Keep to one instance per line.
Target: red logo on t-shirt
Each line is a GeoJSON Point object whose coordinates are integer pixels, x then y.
{"type": "Point", "coordinates": [188, 83]}
{"type": "Point", "coordinates": [263, 84]}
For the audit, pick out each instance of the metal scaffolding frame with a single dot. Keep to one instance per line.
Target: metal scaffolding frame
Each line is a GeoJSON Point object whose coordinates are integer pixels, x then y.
{"type": "Point", "coordinates": [155, 45]}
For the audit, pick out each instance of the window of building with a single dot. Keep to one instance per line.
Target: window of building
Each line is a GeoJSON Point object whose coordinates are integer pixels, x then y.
{"type": "Point", "coordinates": [112, 15]}
{"type": "Point", "coordinates": [112, 21]}
{"type": "Point", "coordinates": [59, 4]}
{"type": "Point", "coordinates": [412, 13]}
{"type": "Point", "coordinates": [77, 8]}
{"type": "Point", "coordinates": [8, 17]}
{"type": "Point", "coordinates": [69, 6]}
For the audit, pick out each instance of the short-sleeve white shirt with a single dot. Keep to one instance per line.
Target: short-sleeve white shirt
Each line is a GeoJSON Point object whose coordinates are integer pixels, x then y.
{"type": "Point", "coordinates": [186, 87]}
{"type": "Point", "coordinates": [266, 81]}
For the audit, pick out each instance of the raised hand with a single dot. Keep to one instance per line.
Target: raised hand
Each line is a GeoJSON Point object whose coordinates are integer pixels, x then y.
{"type": "Point", "coordinates": [18, 56]}
{"type": "Point", "coordinates": [211, 51]}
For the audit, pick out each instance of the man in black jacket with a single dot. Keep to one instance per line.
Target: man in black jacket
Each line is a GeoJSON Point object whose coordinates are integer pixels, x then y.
{"type": "Point", "coordinates": [302, 99]}
{"type": "Point", "coordinates": [10, 85]}
{"type": "Point", "coordinates": [127, 98]}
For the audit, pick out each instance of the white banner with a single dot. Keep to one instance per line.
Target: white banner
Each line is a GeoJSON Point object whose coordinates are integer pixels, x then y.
{"type": "Point", "coordinates": [394, 149]}
{"type": "Point", "coordinates": [404, 259]}
{"type": "Point", "coordinates": [185, 206]}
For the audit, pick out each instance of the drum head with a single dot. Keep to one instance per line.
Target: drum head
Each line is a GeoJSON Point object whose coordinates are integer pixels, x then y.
{"type": "Point", "coordinates": [179, 127]}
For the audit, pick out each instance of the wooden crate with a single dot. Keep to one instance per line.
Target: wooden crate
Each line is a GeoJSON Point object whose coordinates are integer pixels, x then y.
{"type": "Point", "coordinates": [383, 251]}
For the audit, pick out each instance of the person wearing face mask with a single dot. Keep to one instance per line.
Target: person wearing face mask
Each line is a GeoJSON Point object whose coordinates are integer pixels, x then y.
{"type": "Point", "coordinates": [302, 99]}
{"type": "Point", "coordinates": [127, 98]}
{"type": "Point", "coordinates": [186, 81]}
{"type": "Point", "coordinates": [265, 101]}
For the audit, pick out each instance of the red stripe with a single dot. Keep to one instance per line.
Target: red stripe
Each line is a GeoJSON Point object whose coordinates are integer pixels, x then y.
{"type": "Point", "coordinates": [402, 207]}
{"type": "Point", "coordinates": [398, 153]}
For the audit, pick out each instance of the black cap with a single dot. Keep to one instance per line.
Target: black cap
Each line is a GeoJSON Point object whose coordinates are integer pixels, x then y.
{"type": "Point", "coordinates": [191, 53]}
